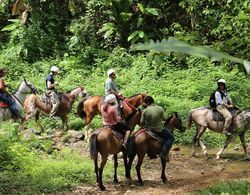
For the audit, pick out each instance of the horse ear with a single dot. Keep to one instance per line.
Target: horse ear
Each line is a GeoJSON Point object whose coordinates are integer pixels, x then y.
{"type": "Point", "coordinates": [175, 114]}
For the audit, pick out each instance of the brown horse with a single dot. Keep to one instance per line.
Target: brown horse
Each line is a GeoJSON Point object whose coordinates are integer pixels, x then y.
{"type": "Point", "coordinates": [202, 117]}
{"type": "Point", "coordinates": [34, 105]}
{"type": "Point", "coordinates": [91, 106]}
{"type": "Point", "coordinates": [105, 142]}
{"type": "Point", "coordinates": [142, 143]}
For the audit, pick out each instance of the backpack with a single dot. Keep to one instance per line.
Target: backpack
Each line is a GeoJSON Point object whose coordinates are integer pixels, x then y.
{"type": "Point", "coordinates": [212, 101]}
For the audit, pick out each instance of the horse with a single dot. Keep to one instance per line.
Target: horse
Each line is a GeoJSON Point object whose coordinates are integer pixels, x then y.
{"type": "Point", "coordinates": [19, 95]}
{"type": "Point", "coordinates": [106, 142]}
{"type": "Point", "coordinates": [89, 107]}
{"type": "Point", "coordinates": [142, 143]}
{"type": "Point", "coordinates": [203, 119]}
{"type": "Point", "coordinates": [34, 105]}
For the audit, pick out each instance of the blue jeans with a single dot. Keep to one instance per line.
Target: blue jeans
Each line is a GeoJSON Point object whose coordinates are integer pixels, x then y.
{"type": "Point", "coordinates": [167, 136]}
{"type": "Point", "coordinates": [8, 99]}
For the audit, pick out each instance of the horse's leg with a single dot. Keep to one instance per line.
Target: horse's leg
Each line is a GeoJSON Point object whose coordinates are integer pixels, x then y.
{"type": "Point", "coordinates": [243, 143]}
{"type": "Point", "coordinates": [64, 122]}
{"type": "Point", "coordinates": [104, 160]}
{"type": "Point", "coordinates": [26, 118]}
{"type": "Point", "coordinates": [228, 140]}
{"type": "Point", "coordinates": [88, 119]}
{"type": "Point", "coordinates": [129, 165]}
{"type": "Point", "coordinates": [115, 166]}
{"type": "Point", "coordinates": [37, 116]}
{"type": "Point", "coordinates": [200, 132]}
{"type": "Point", "coordinates": [138, 167]}
{"type": "Point", "coordinates": [163, 175]}
{"type": "Point", "coordinates": [195, 143]}
{"type": "Point", "coordinates": [96, 167]}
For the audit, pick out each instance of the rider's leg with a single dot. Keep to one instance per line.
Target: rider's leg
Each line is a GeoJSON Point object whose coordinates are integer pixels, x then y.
{"type": "Point", "coordinates": [228, 118]}
{"type": "Point", "coordinates": [169, 140]}
{"type": "Point", "coordinates": [55, 103]}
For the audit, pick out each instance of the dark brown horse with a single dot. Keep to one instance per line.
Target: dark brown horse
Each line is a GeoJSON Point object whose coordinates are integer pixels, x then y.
{"type": "Point", "coordinates": [142, 143]}
{"type": "Point", "coordinates": [91, 106]}
{"type": "Point", "coordinates": [202, 117]}
{"type": "Point", "coordinates": [105, 142]}
{"type": "Point", "coordinates": [34, 105]}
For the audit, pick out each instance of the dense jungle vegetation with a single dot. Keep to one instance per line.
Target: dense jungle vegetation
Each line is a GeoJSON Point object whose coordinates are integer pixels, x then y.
{"type": "Point", "coordinates": [85, 38]}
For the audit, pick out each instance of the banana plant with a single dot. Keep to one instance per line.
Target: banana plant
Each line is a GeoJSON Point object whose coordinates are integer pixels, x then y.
{"type": "Point", "coordinates": [175, 45]}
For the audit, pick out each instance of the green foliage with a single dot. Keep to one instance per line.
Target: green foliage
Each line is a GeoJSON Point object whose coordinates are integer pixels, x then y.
{"type": "Point", "coordinates": [235, 187]}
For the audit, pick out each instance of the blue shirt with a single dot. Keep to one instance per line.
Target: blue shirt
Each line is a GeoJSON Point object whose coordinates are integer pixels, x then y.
{"type": "Point", "coordinates": [50, 78]}
{"type": "Point", "coordinates": [110, 84]}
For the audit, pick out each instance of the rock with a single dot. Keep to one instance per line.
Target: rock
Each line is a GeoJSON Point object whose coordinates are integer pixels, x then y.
{"type": "Point", "coordinates": [176, 148]}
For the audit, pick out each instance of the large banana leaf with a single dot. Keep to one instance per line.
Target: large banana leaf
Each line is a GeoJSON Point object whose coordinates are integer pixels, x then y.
{"type": "Point", "coordinates": [175, 45]}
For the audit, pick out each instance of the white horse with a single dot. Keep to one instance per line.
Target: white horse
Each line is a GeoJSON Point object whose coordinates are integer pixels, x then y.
{"type": "Point", "coordinates": [19, 95]}
{"type": "Point", "coordinates": [202, 117]}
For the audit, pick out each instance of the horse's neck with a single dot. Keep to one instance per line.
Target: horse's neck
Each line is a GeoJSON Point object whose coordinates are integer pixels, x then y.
{"type": "Point", "coordinates": [20, 96]}
{"type": "Point", "coordinates": [133, 102]}
{"type": "Point", "coordinates": [74, 93]}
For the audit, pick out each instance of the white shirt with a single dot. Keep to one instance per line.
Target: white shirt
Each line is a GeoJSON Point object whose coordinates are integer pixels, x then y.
{"type": "Point", "coordinates": [222, 100]}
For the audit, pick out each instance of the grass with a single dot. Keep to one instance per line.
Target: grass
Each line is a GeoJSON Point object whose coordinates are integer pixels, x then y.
{"type": "Point", "coordinates": [241, 187]}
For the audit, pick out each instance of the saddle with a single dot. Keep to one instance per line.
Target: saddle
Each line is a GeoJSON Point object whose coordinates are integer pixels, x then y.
{"type": "Point", "coordinates": [47, 100]}
{"type": "Point", "coordinates": [118, 135]}
{"type": "Point", "coordinates": [152, 134]}
{"type": "Point", "coordinates": [219, 117]}
{"type": "Point", "coordinates": [3, 105]}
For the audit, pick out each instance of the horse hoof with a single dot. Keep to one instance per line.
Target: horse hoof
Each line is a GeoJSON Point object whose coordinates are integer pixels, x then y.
{"type": "Point", "coordinates": [164, 180]}
{"type": "Point", "coordinates": [102, 188]}
{"type": "Point", "coordinates": [195, 155]}
{"type": "Point", "coordinates": [115, 181]}
{"type": "Point", "coordinates": [218, 158]}
{"type": "Point", "coordinates": [141, 183]}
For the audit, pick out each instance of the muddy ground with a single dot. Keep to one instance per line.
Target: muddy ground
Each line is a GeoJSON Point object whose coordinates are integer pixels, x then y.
{"type": "Point", "coordinates": [185, 174]}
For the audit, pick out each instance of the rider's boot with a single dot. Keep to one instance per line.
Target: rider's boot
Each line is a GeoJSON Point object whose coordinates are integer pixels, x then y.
{"type": "Point", "coordinates": [164, 154]}
{"type": "Point", "coordinates": [125, 141]}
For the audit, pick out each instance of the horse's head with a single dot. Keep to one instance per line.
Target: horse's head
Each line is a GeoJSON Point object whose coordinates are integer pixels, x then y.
{"type": "Point", "coordinates": [79, 91]}
{"type": "Point", "coordinates": [26, 87]}
{"type": "Point", "coordinates": [137, 100]}
{"type": "Point", "coordinates": [174, 121]}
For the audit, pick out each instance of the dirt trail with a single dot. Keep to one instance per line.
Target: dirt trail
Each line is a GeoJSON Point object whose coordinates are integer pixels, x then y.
{"type": "Point", "coordinates": [184, 173]}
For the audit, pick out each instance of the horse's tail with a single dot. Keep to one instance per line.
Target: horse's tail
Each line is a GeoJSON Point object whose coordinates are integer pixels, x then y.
{"type": "Point", "coordinates": [80, 109]}
{"type": "Point", "coordinates": [93, 145]}
{"type": "Point", "coordinates": [190, 119]}
{"type": "Point", "coordinates": [131, 146]}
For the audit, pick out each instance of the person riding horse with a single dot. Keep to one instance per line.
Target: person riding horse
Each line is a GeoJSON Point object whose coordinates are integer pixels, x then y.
{"type": "Point", "coordinates": [51, 90]}
{"type": "Point", "coordinates": [152, 119]}
{"type": "Point", "coordinates": [223, 102]}
{"type": "Point", "coordinates": [6, 97]}
{"type": "Point", "coordinates": [111, 88]}
{"type": "Point", "coordinates": [111, 118]}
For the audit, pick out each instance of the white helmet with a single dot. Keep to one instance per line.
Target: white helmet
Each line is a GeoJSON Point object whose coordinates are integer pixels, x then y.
{"type": "Point", "coordinates": [109, 99]}
{"type": "Point", "coordinates": [110, 71]}
{"type": "Point", "coordinates": [221, 81]}
{"type": "Point", "coordinates": [54, 69]}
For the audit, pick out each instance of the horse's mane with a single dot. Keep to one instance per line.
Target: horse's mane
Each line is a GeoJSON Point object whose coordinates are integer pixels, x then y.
{"type": "Point", "coordinates": [17, 88]}
{"type": "Point", "coordinates": [137, 95]}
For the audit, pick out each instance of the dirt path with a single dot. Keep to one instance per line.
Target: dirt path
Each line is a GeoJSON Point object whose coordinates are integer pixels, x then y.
{"type": "Point", "coordinates": [184, 173]}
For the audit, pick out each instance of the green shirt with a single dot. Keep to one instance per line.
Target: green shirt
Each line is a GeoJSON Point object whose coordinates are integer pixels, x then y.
{"type": "Point", "coordinates": [153, 117]}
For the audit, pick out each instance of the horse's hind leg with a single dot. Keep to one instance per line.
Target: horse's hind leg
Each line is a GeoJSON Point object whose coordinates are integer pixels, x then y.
{"type": "Point", "coordinates": [243, 143]}
{"type": "Point", "coordinates": [96, 167]}
{"type": "Point", "coordinates": [37, 116]}
{"type": "Point", "coordinates": [115, 166]}
{"type": "Point", "coordinates": [138, 167]}
{"type": "Point", "coordinates": [88, 119]}
{"type": "Point", "coordinates": [104, 160]}
{"type": "Point", "coordinates": [129, 165]}
{"type": "Point", "coordinates": [196, 141]}
{"type": "Point", "coordinates": [163, 175]}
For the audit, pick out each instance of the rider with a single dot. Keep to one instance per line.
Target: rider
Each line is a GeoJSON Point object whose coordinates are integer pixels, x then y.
{"type": "Point", "coordinates": [111, 88]}
{"type": "Point", "coordinates": [7, 98]}
{"type": "Point", "coordinates": [152, 119]}
{"type": "Point", "coordinates": [111, 118]}
{"type": "Point", "coordinates": [51, 90]}
{"type": "Point", "coordinates": [223, 102]}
